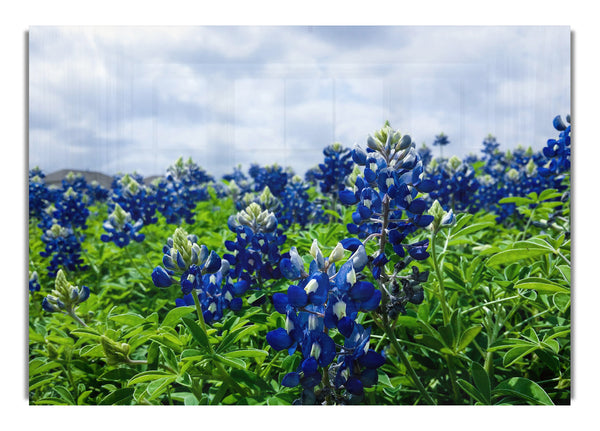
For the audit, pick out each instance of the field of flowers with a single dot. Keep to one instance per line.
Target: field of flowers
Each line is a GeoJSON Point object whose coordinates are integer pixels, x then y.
{"type": "Point", "coordinates": [384, 276]}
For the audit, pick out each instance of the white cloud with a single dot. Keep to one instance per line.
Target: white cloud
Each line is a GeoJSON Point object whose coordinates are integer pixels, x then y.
{"type": "Point", "coordinates": [135, 97]}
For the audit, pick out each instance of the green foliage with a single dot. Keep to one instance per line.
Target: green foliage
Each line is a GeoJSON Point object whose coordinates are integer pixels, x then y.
{"type": "Point", "coordinates": [505, 339]}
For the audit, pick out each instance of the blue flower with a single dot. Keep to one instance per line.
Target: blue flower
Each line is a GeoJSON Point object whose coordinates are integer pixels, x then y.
{"type": "Point", "coordinates": [120, 229]}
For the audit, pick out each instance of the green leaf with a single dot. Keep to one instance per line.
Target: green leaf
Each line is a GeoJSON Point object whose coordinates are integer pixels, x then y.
{"type": "Point", "coordinates": [147, 376]}
{"type": "Point", "coordinates": [533, 243]}
{"type": "Point", "coordinates": [170, 358]}
{"type": "Point", "coordinates": [471, 391]}
{"type": "Point", "coordinates": [65, 394]}
{"type": "Point", "coordinates": [333, 213]}
{"type": "Point", "coordinates": [523, 388]}
{"type": "Point", "coordinates": [549, 194]}
{"type": "Point", "coordinates": [515, 255]}
{"type": "Point", "coordinates": [383, 379]}
{"type": "Point", "coordinates": [199, 335]}
{"type": "Point", "coordinates": [517, 200]}
{"type": "Point", "coordinates": [82, 397]}
{"type": "Point", "coordinates": [117, 374]}
{"type": "Point", "coordinates": [36, 368]}
{"type": "Point", "coordinates": [565, 270]}
{"type": "Point", "coordinates": [471, 229]}
{"type": "Point", "coordinates": [121, 396]}
{"type": "Point", "coordinates": [130, 319]}
{"type": "Point", "coordinates": [541, 285]}
{"type": "Point", "coordinates": [157, 387]}
{"type": "Point", "coordinates": [482, 381]}
{"type": "Point", "coordinates": [174, 316]}
{"type": "Point", "coordinates": [517, 353]}
{"type": "Point", "coordinates": [248, 353]}
{"type": "Point", "coordinates": [232, 362]}
{"type": "Point", "coordinates": [468, 336]}
{"type": "Point", "coordinates": [561, 301]}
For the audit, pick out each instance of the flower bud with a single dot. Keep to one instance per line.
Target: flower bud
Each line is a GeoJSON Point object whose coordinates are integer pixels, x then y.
{"type": "Point", "coordinates": [448, 220]}
{"type": "Point", "coordinates": [316, 253]}
{"type": "Point", "coordinates": [337, 253]}
{"type": "Point", "coordinates": [114, 352]}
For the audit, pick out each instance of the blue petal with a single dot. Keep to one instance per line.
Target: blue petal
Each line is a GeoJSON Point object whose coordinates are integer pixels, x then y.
{"type": "Point", "coordinates": [345, 326]}
{"type": "Point", "coordinates": [359, 259]}
{"type": "Point", "coordinates": [280, 302]}
{"type": "Point", "coordinates": [351, 244]}
{"type": "Point", "coordinates": [309, 365]}
{"type": "Point", "coordinates": [347, 197]}
{"type": "Point", "coordinates": [362, 291]}
{"type": "Point", "coordinates": [236, 304]}
{"type": "Point", "coordinates": [291, 380]}
{"type": "Point", "coordinates": [354, 386]}
{"type": "Point", "coordinates": [288, 270]}
{"type": "Point", "coordinates": [371, 359]}
{"type": "Point", "coordinates": [417, 206]}
{"type": "Point", "coordinates": [372, 303]}
{"type": "Point", "coordinates": [161, 278]}
{"type": "Point", "coordinates": [279, 339]}
{"type": "Point", "coordinates": [297, 296]}
{"type": "Point", "coordinates": [213, 263]}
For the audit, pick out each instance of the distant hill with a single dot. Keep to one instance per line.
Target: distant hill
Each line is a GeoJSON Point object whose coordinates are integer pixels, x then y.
{"type": "Point", "coordinates": [103, 179]}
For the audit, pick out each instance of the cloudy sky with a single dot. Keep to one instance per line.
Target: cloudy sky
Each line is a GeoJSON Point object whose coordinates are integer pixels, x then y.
{"type": "Point", "coordinates": [119, 99]}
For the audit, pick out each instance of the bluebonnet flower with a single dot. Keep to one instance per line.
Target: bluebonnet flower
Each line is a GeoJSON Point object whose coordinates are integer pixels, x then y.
{"type": "Point", "coordinates": [490, 145]}
{"type": "Point", "coordinates": [76, 182]}
{"type": "Point", "coordinates": [335, 168]}
{"type": "Point", "coordinates": [273, 176]}
{"type": "Point", "coordinates": [441, 140]}
{"type": "Point", "coordinates": [325, 299]}
{"type": "Point", "coordinates": [511, 173]}
{"type": "Point", "coordinates": [135, 198]}
{"type": "Point", "coordinates": [216, 295]}
{"type": "Point", "coordinates": [388, 189]}
{"type": "Point", "coordinates": [558, 150]}
{"type": "Point", "coordinates": [455, 184]}
{"type": "Point", "coordinates": [177, 195]}
{"type": "Point", "coordinates": [425, 154]}
{"type": "Point", "coordinates": [310, 176]}
{"type": "Point", "coordinates": [39, 195]}
{"type": "Point", "coordinates": [96, 192]}
{"type": "Point", "coordinates": [296, 206]}
{"type": "Point", "coordinates": [242, 181]}
{"type": "Point", "coordinates": [255, 252]}
{"type": "Point", "coordinates": [121, 229]}
{"type": "Point", "coordinates": [64, 246]}
{"type": "Point", "coordinates": [65, 296]}
{"type": "Point", "coordinates": [71, 209]}
{"type": "Point", "coordinates": [34, 282]}
{"type": "Point", "coordinates": [199, 272]}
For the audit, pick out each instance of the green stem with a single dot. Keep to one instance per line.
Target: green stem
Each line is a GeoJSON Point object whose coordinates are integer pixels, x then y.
{"type": "Point", "coordinates": [405, 361]}
{"type": "Point", "coordinates": [226, 377]}
{"type": "Point", "coordinates": [489, 303]}
{"type": "Point", "coordinates": [75, 317]}
{"type": "Point", "coordinates": [196, 389]}
{"type": "Point", "coordinates": [263, 373]}
{"type": "Point", "coordinates": [134, 264]}
{"type": "Point", "coordinates": [201, 318]}
{"type": "Point", "coordinates": [438, 273]}
{"type": "Point", "coordinates": [452, 373]}
{"type": "Point", "coordinates": [563, 258]}
{"type": "Point", "coordinates": [524, 233]}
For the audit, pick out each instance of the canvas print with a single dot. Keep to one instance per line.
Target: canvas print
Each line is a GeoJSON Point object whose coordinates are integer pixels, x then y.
{"type": "Point", "coordinates": [299, 215]}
